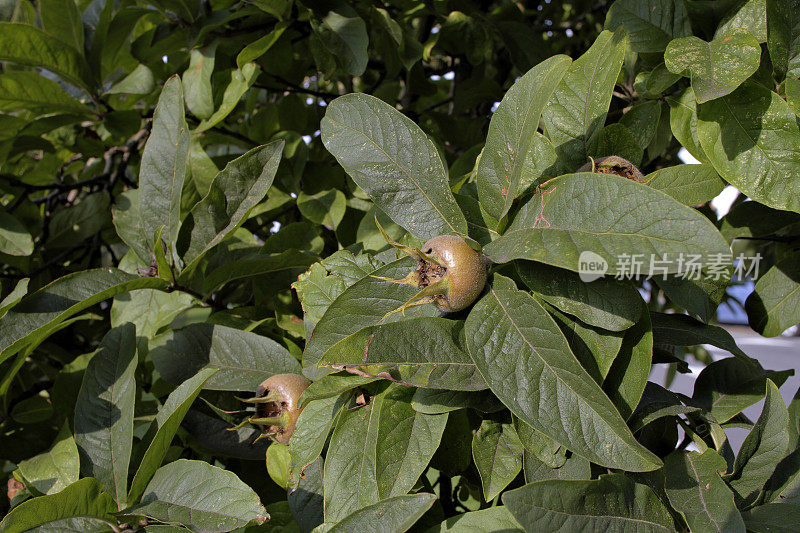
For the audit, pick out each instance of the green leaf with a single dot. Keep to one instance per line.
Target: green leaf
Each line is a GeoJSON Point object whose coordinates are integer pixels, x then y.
{"type": "Point", "coordinates": [575, 467]}
{"type": "Point", "coordinates": [437, 401]}
{"type": "Point", "coordinates": [191, 493]}
{"type": "Point", "coordinates": [748, 14]}
{"type": "Point", "coordinates": [642, 122]}
{"type": "Point", "coordinates": [234, 192]}
{"type": "Point", "coordinates": [344, 34]}
{"type": "Point", "coordinates": [751, 219]}
{"type": "Point", "coordinates": [683, 122]}
{"type": "Point", "coordinates": [104, 412]}
{"type": "Point", "coordinates": [422, 352]}
{"type": "Point", "coordinates": [167, 422]}
{"type": "Point", "coordinates": [512, 132]}
{"type": "Point", "coordinates": [73, 225]}
{"type": "Point", "coordinates": [350, 479]}
{"type": "Point", "coordinates": [163, 166]}
{"type": "Point", "coordinates": [28, 45]}
{"type": "Point", "coordinates": [29, 90]}
{"type": "Point", "coordinates": [682, 330]}
{"type": "Point", "coordinates": [774, 305]}
{"type": "Point", "coordinates": [583, 212]}
{"type": "Point", "coordinates": [257, 265]}
{"type": "Point", "coordinates": [540, 445]}
{"type": "Point", "coordinates": [695, 489]}
{"type": "Point", "coordinates": [688, 184]}
{"type": "Point", "coordinates": [333, 385]}
{"type": "Point", "coordinates": [14, 236]}
{"type": "Point", "coordinates": [50, 472]}
{"type": "Point", "coordinates": [241, 80]}
{"type": "Point", "coordinates": [497, 452]}
{"type": "Point", "coordinates": [243, 359]}
{"type": "Point", "coordinates": [627, 378]}
{"type": "Point", "coordinates": [651, 24]}
{"type": "Point", "coordinates": [139, 81]}
{"type": "Point", "coordinates": [395, 163]}
{"type": "Point", "coordinates": [62, 19]}
{"type": "Point", "coordinates": [606, 302]}
{"type": "Point", "coordinates": [197, 82]}
{"type": "Point", "coordinates": [526, 361]}
{"type": "Point", "coordinates": [258, 48]}
{"type": "Point", "coordinates": [577, 110]}
{"type": "Point", "coordinates": [84, 499]}
{"type": "Point", "coordinates": [611, 503]}
{"type": "Point", "coordinates": [762, 449]}
{"type": "Point", "coordinates": [783, 30]}
{"type": "Point", "coordinates": [773, 518]}
{"type": "Point", "coordinates": [393, 515]}
{"type": "Point", "coordinates": [32, 410]}
{"type": "Point", "coordinates": [726, 387]}
{"type": "Point", "coordinates": [11, 299]}
{"type": "Point", "coordinates": [311, 431]}
{"type": "Point", "coordinates": [617, 139]}
{"type": "Point", "coordinates": [325, 208]}
{"type": "Point", "coordinates": [33, 319]}
{"type": "Point", "coordinates": [596, 348]}
{"type": "Point", "coordinates": [716, 68]}
{"type": "Point", "coordinates": [305, 501]}
{"type": "Point", "coordinates": [752, 139]}
{"type": "Point", "coordinates": [497, 519]}
{"type": "Point", "coordinates": [657, 402]}
{"type": "Point", "coordinates": [363, 304]}
{"type": "Point", "coordinates": [406, 442]}
{"type": "Point", "coordinates": [278, 463]}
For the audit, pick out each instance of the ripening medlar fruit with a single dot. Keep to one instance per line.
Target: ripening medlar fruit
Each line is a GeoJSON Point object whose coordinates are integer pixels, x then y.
{"type": "Point", "coordinates": [277, 402]}
{"type": "Point", "coordinates": [614, 164]}
{"type": "Point", "coordinates": [450, 273]}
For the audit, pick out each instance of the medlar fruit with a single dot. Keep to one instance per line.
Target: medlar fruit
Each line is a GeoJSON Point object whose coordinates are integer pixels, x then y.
{"type": "Point", "coordinates": [277, 402]}
{"type": "Point", "coordinates": [616, 165]}
{"type": "Point", "coordinates": [450, 273]}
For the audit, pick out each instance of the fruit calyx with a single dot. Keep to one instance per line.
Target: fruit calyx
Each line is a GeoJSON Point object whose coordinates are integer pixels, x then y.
{"type": "Point", "coordinates": [614, 164]}
{"type": "Point", "coordinates": [449, 273]}
{"type": "Point", "coordinates": [277, 403]}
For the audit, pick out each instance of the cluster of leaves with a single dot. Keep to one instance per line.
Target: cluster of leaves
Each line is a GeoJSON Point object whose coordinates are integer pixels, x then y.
{"type": "Point", "coordinates": [170, 241]}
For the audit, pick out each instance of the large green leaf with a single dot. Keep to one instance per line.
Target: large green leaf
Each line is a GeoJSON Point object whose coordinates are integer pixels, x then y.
{"type": "Point", "coordinates": [15, 239]}
{"type": "Point", "coordinates": [773, 518]}
{"type": "Point", "coordinates": [406, 442]}
{"type": "Point", "coordinates": [627, 376]}
{"type": "Point", "coordinates": [774, 305]}
{"type": "Point", "coordinates": [243, 359]}
{"type": "Point", "coordinates": [783, 36]}
{"type": "Point", "coordinates": [716, 68]}
{"type": "Point", "coordinates": [200, 496]}
{"type": "Point", "coordinates": [762, 449]}
{"type": "Point", "coordinates": [752, 139]}
{"type": "Point", "coordinates": [689, 184]}
{"type": "Point", "coordinates": [104, 412]}
{"type": "Point", "coordinates": [84, 502]}
{"type": "Point", "coordinates": [423, 352]}
{"type": "Point", "coordinates": [606, 302]}
{"type": "Point", "coordinates": [651, 24]}
{"type": "Point", "coordinates": [350, 479]}
{"type": "Point", "coordinates": [395, 163]}
{"type": "Point", "coordinates": [682, 330]}
{"type": "Point", "coordinates": [611, 503]}
{"type": "Point", "coordinates": [63, 20]}
{"type": "Point", "coordinates": [611, 217]}
{"type": "Point", "coordinates": [363, 304]}
{"type": "Point", "coordinates": [393, 515]}
{"type": "Point", "coordinates": [166, 425]}
{"type": "Point", "coordinates": [726, 387]}
{"type": "Point", "coordinates": [512, 132]}
{"type": "Point", "coordinates": [498, 519]}
{"type": "Point", "coordinates": [695, 489]}
{"type": "Point", "coordinates": [257, 265]}
{"type": "Point", "coordinates": [37, 314]}
{"type": "Point", "coordinates": [233, 193]}
{"type": "Point", "coordinates": [344, 34]}
{"type": "Point", "coordinates": [577, 110]}
{"type": "Point", "coordinates": [497, 451]}
{"type": "Point", "coordinates": [526, 361]}
{"type": "Point", "coordinates": [50, 472]}
{"type": "Point", "coordinates": [28, 45]}
{"type": "Point", "coordinates": [163, 166]}
{"type": "Point", "coordinates": [28, 90]}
